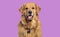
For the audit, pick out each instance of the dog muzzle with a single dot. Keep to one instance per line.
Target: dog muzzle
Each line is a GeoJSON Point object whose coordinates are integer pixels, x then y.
{"type": "Point", "coordinates": [29, 17]}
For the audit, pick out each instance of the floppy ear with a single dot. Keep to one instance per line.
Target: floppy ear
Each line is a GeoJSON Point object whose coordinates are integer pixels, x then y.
{"type": "Point", "coordinates": [38, 8]}
{"type": "Point", "coordinates": [21, 9]}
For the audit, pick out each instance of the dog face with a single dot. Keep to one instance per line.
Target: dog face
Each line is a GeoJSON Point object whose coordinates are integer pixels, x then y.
{"type": "Point", "coordinates": [29, 10]}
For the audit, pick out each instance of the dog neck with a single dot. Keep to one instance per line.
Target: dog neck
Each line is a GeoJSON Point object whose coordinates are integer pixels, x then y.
{"type": "Point", "coordinates": [26, 27]}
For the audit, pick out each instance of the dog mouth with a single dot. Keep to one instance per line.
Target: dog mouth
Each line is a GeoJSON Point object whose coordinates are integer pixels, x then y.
{"type": "Point", "coordinates": [29, 17]}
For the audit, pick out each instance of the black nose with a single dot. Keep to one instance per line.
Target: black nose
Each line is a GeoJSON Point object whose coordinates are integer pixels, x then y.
{"type": "Point", "coordinates": [30, 12]}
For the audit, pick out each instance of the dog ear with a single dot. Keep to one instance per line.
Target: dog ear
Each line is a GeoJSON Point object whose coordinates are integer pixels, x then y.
{"type": "Point", "coordinates": [38, 8]}
{"type": "Point", "coordinates": [21, 8]}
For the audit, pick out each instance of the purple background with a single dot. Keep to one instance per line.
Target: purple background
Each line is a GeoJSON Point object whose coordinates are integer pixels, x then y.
{"type": "Point", "coordinates": [49, 16]}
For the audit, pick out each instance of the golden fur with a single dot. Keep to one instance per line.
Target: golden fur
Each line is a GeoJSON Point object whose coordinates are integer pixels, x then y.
{"type": "Point", "coordinates": [34, 25]}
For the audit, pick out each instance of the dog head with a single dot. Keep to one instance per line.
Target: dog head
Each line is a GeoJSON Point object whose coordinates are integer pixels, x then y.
{"type": "Point", "coordinates": [29, 10]}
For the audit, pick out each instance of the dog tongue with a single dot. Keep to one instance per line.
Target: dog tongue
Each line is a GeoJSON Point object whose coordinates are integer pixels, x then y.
{"type": "Point", "coordinates": [29, 17]}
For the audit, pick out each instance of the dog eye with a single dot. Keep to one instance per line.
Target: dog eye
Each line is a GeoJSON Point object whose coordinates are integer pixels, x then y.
{"type": "Point", "coordinates": [26, 8]}
{"type": "Point", "coordinates": [32, 7]}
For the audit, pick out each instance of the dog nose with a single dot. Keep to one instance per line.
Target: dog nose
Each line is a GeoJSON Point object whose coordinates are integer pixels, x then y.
{"type": "Point", "coordinates": [30, 12]}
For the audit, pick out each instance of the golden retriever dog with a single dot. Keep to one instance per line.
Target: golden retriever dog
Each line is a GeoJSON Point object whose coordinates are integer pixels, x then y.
{"type": "Point", "coordinates": [29, 26]}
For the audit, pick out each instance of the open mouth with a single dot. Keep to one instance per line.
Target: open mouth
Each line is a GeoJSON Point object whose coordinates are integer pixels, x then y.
{"type": "Point", "coordinates": [29, 17]}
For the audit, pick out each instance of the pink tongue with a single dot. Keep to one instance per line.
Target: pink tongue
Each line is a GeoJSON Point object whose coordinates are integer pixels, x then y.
{"type": "Point", "coordinates": [29, 17]}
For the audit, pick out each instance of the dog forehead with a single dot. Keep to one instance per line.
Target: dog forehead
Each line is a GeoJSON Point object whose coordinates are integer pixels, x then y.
{"type": "Point", "coordinates": [30, 5]}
